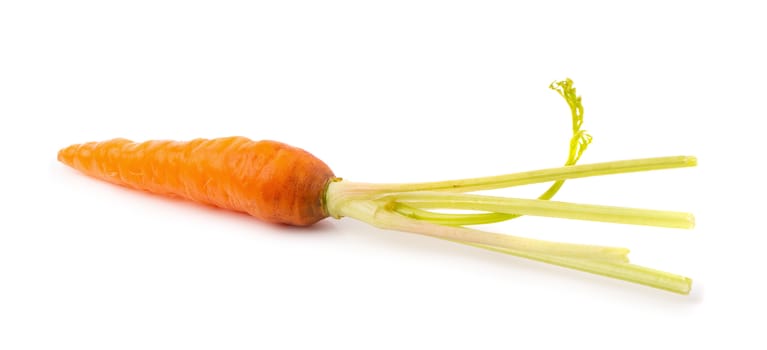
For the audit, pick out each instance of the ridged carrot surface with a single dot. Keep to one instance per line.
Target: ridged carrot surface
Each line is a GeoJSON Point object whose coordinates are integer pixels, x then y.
{"type": "Point", "coordinates": [270, 180]}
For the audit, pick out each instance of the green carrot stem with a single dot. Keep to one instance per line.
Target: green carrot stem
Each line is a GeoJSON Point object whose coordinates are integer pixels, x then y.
{"type": "Point", "coordinates": [535, 176]}
{"type": "Point", "coordinates": [620, 270]}
{"type": "Point", "coordinates": [536, 207]}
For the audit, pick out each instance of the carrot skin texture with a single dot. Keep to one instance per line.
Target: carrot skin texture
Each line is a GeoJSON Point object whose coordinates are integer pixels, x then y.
{"type": "Point", "coordinates": [269, 180]}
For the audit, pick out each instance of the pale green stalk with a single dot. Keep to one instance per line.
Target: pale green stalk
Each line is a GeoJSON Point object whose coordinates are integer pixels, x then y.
{"type": "Point", "coordinates": [537, 176]}
{"type": "Point", "coordinates": [615, 269]}
{"type": "Point", "coordinates": [537, 207]}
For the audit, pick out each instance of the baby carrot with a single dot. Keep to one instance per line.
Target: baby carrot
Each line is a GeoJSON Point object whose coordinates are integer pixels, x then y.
{"type": "Point", "coordinates": [279, 183]}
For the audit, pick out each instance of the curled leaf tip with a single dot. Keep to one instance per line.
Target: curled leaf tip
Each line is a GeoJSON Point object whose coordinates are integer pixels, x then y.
{"type": "Point", "coordinates": [578, 144]}
{"type": "Point", "coordinates": [563, 87]}
{"type": "Point", "coordinates": [580, 139]}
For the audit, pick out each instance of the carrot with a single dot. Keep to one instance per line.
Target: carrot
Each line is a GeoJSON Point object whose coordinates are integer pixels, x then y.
{"type": "Point", "coordinates": [270, 180]}
{"type": "Point", "coordinates": [279, 183]}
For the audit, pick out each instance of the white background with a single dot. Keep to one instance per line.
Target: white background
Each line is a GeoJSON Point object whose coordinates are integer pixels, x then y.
{"type": "Point", "coordinates": [384, 92]}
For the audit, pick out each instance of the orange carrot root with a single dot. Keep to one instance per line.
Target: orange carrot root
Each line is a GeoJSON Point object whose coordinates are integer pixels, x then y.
{"type": "Point", "coordinates": [269, 180]}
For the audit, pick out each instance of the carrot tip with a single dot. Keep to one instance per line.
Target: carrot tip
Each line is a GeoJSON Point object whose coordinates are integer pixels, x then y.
{"type": "Point", "coordinates": [66, 154]}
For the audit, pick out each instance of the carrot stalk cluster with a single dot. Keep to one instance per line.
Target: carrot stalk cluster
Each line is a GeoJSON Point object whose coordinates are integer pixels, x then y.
{"type": "Point", "coordinates": [416, 208]}
{"type": "Point", "coordinates": [408, 208]}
